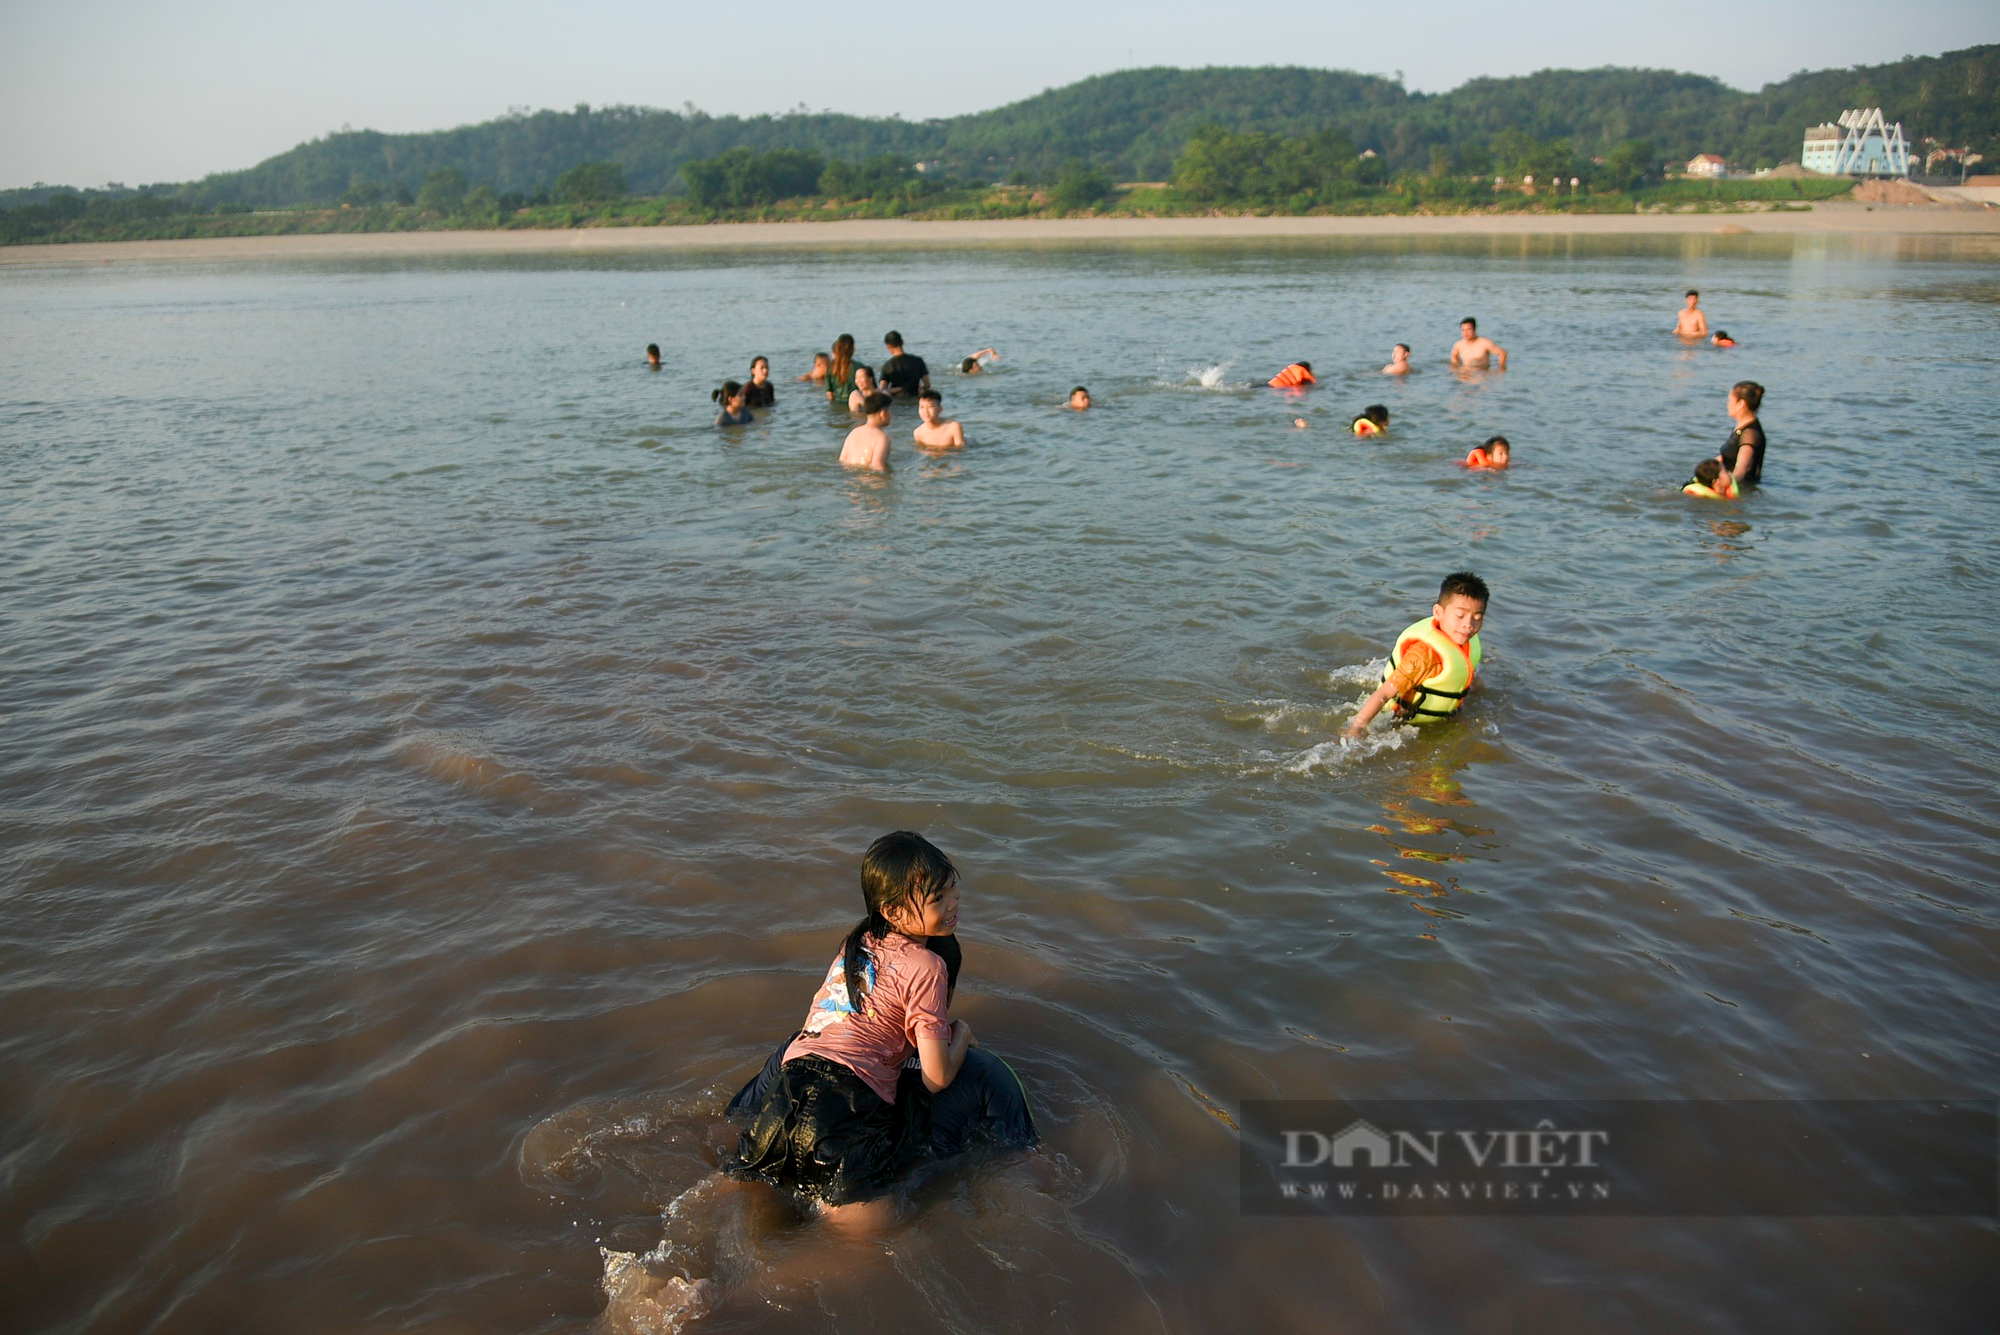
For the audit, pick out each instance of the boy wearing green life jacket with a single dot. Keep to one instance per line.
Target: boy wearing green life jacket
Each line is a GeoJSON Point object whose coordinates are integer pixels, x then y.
{"type": "Point", "coordinates": [1435, 663]}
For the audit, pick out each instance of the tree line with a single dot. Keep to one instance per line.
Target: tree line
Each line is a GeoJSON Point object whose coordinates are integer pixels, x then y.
{"type": "Point", "coordinates": [1134, 124]}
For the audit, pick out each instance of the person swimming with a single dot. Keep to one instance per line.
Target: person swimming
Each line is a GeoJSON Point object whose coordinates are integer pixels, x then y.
{"type": "Point", "coordinates": [1712, 482]}
{"type": "Point", "coordinates": [818, 373]}
{"type": "Point", "coordinates": [1079, 398]}
{"type": "Point", "coordinates": [1435, 662]}
{"type": "Point", "coordinates": [1372, 421]}
{"type": "Point", "coordinates": [867, 446]}
{"type": "Point", "coordinates": [1296, 376]}
{"type": "Point", "coordinates": [976, 363]}
{"type": "Point", "coordinates": [760, 392]}
{"type": "Point", "coordinates": [865, 384]}
{"type": "Point", "coordinates": [1721, 339]}
{"type": "Point", "coordinates": [936, 431]}
{"type": "Point", "coordinates": [844, 1084]}
{"type": "Point", "coordinates": [839, 379]}
{"type": "Point", "coordinates": [1399, 361]}
{"type": "Point", "coordinates": [734, 412]}
{"type": "Point", "coordinates": [1495, 453]}
{"type": "Point", "coordinates": [653, 356]}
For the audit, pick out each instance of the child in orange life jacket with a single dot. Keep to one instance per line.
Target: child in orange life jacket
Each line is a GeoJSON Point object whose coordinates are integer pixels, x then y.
{"type": "Point", "coordinates": [1373, 421]}
{"type": "Point", "coordinates": [1296, 376]}
{"type": "Point", "coordinates": [1435, 662]}
{"type": "Point", "coordinates": [1721, 339]}
{"type": "Point", "coordinates": [1712, 482]}
{"type": "Point", "coordinates": [1493, 454]}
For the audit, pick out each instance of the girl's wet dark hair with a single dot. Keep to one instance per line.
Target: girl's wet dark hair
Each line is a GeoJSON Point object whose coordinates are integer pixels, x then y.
{"type": "Point", "coordinates": [730, 389]}
{"type": "Point", "coordinates": [967, 365]}
{"type": "Point", "coordinates": [1376, 413]}
{"type": "Point", "coordinates": [1707, 471]}
{"type": "Point", "coordinates": [1501, 441]}
{"type": "Point", "coordinates": [899, 870]}
{"type": "Point", "coordinates": [841, 362]}
{"type": "Point", "coordinates": [1750, 392]}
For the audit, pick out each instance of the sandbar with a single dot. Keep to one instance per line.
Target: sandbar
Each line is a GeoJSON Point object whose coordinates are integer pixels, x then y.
{"type": "Point", "coordinates": [1842, 219]}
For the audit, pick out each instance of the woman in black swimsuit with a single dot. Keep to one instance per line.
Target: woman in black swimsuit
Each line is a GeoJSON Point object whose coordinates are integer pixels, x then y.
{"type": "Point", "coordinates": [1743, 456]}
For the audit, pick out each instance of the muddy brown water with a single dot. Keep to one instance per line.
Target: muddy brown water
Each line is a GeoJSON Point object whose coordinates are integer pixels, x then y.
{"type": "Point", "coordinates": [434, 766]}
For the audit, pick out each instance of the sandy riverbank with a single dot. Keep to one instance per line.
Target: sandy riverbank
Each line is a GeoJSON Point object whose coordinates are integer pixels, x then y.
{"type": "Point", "coordinates": [1835, 220]}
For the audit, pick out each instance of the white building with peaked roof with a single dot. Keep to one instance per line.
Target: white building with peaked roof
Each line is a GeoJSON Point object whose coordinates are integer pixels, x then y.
{"type": "Point", "coordinates": [1861, 143]}
{"type": "Point", "coordinates": [1707, 164]}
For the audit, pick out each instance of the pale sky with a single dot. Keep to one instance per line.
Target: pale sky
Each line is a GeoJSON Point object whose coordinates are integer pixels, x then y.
{"type": "Point", "coordinates": [93, 91]}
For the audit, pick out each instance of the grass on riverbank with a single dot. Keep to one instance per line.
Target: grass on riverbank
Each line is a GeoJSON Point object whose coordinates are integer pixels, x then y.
{"type": "Point", "coordinates": [158, 218]}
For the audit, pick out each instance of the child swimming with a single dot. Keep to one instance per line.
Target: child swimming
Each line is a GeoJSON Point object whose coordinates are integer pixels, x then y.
{"type": "Point", "coordinates": [1399, 361]}
{"type": "Point", "coordinates": [1296, 376]}
{"type": "Point", "coordinates": [1079, 398]}
{"type": "Point", "coordinates": [936, 431]}
{"type": "Point", "coordinates": [867, 446]}
{"type": "Point", "coordinates": [733, 413]}
{"type": "Point", "coordinates": [760, 392]}
{"type": "Point", "coordinates": [1721, 339]}
{"type": "Point", "coordinates": [653, 356]}
{"type": "Point", "coordinates": [976, 363]}
{"type": "Point", "coordinates": [844, 1114]}
{"type": "Point", "coordinates": [1435, 662]}
{"type": "Point", "coordinates": [1372, 421]}
{"type": "Point", "coordinates": [1493, 454]}
{"type": "Point", "coordinates": [817, 374]}
{"type": "Point", "coordinates": [864, 385]}
{"type": "Point", "coordinates": [1712, 482]}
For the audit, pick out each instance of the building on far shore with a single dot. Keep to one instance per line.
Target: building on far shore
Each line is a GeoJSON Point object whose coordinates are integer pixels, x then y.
{"type": "Point", "coordinates": [1861, 143]}
{"type": "Point", "coordinates": [1707, 165]}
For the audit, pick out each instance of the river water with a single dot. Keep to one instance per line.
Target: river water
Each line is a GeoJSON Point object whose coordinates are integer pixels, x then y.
{"type": "Point", "coordinates": [436, 764]}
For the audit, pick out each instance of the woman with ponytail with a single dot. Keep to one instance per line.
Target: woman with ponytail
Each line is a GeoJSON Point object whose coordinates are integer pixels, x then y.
{"type": "Point", "coordinates": [734, 411]}
{"type": "Point", "coordinates": [879, 1076]}
{"type": "Point", "coordinates": [840, 370]}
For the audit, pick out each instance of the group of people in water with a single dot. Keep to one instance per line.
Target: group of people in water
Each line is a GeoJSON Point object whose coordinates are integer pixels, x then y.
{"type": "Point", "coordinates": [878, 1077]}
{"type": "Point", "coordinates": [871, 393]}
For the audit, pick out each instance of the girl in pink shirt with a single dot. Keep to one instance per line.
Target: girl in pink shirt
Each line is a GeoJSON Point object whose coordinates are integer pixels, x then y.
{"type": "Point", "coordinates": [870, 1082]}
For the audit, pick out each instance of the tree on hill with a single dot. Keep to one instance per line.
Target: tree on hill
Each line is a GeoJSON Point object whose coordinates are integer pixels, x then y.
{"type": "Point", "coordinates": [590, 182]}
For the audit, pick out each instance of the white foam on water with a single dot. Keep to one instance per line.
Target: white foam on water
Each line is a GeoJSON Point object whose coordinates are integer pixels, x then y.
{"type": "Point", "coordinates": [1211, 378]}
{"type": "Point", "coordinates": [1366, 674]}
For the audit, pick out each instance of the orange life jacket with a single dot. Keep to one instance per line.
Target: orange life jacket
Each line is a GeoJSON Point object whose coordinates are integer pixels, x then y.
{"type": "Point", "coordinates": [1292, 377]}
{"type": "Point", "coordinates": [1479, 458]}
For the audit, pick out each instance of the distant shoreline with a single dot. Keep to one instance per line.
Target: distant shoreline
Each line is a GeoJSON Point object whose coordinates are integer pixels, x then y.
{"type": "Point", "coordinates": [1835, 220]}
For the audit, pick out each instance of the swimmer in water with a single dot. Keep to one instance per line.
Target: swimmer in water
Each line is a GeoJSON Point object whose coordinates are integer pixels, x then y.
{"type": "Point", "coordinates": [976, 363]}
{"type": "Point", "coordinates": [1690, 323]}
{"type": "Point", "coordinates": [1399, 361]}
{"type": "Point", "coordinates": [653, 356]}
{"type": "Point", "coordinates": [1721, 339]}
{"type": "Point", "coordinates": [864, 385]}
{"type": "Point", "coordinates": [1493, 454]}
{"type": "Point", "coordinates": [733, 413]}
{"type": "Point", "coordinates": [1435, 662]}
{"type": "Point", "coordinates": [1079, 398]}
{"type": "Point", "coordinates": [818, 372]}
{"type": "Point", "coordinates": [1474, 351]}
{"type": "Point", "coordinates": [936, 431]}
{"type": "Point", "coordinates": [760, 392]}
{"type": "Point", "coordinates": [1296, 376]}
{"type": "Point", "coordinates": [1373, 421]}
{"type": "Point", "coordinates": [1711, 482]}
{"type": "Point", "coordinates": [867, 446]}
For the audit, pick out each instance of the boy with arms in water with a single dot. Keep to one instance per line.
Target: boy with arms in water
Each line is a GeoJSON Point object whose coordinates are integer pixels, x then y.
{"type": "Point", "coordinates": [867, 446]}
{"type": "Point", "coordinates": [936, 431]}
{"type": "Point", "coordinates": [1435, 662]}
{"type": "Point", "coordinates": [1474, 350]}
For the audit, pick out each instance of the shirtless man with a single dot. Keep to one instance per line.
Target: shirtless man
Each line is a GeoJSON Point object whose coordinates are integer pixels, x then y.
{"type": "Point", "coordinates": [1472, 349]}
{"type": "Point", "coordinates": [1079, 398]}
{"type": "Point", "coordinates": [936, 432]}
{"type": "Point", "coordinates": [1399, 361]}
{"type": "Point", "coordinates": [1691, 323]}
{"type": "Point", "coordinates": [867, 446]}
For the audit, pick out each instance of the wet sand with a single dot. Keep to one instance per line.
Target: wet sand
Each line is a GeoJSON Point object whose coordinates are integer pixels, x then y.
{"type": "Point", "coordinates": [1836, 220]}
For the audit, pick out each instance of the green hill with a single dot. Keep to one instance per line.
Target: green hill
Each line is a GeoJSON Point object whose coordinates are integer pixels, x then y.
{"type": "Point", "coordinates": [1133, 124]}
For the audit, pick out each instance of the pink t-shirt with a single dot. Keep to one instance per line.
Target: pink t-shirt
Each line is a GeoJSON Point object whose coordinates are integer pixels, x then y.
{"type": "Point", "coordinates": [902, 1000]}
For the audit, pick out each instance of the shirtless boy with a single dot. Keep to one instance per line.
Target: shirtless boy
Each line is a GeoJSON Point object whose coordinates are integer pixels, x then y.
{"type": "Point", "coordinates": [1691, 323]}
{"type": "Point", "coordinates": [1473, 350]}
{"type": "Point", "coordinates": [1079, 398]}
{"type": "Point", "coordinates": [936, 431]}
{"type": "Point", "coordinates": [1399, 361]}
{"type": "Point", "coordinates": [867, 446]}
